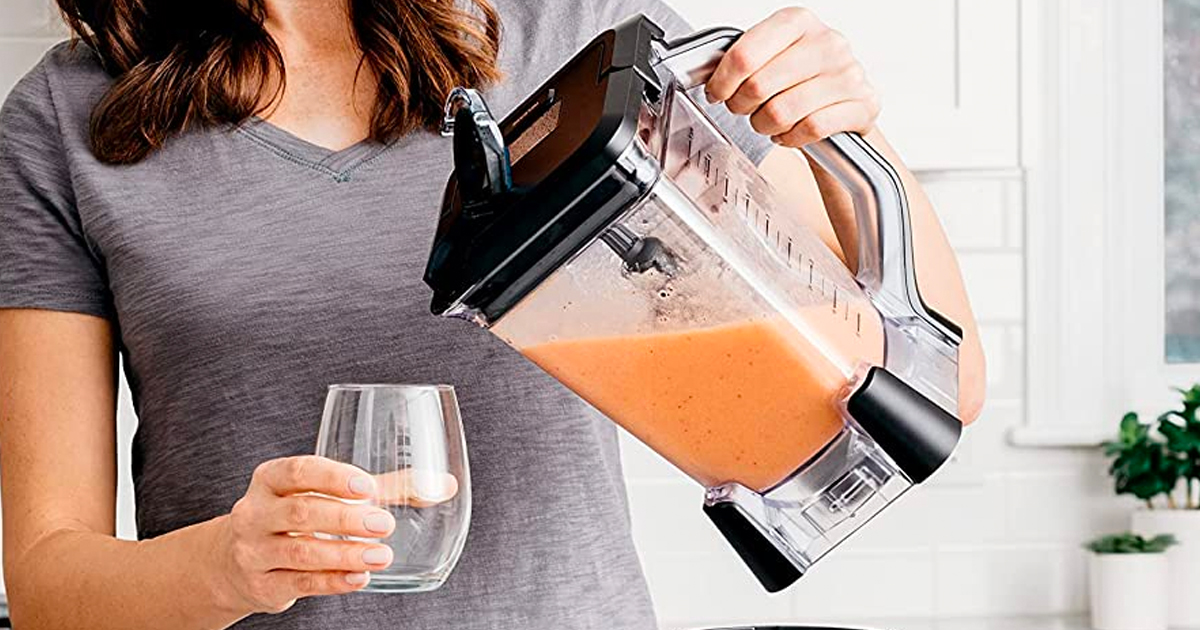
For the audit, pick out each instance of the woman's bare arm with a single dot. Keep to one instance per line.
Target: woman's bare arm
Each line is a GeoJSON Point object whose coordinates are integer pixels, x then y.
{"type": "Point", "coordinates": [799, 81]}
{"type": "Point", "coordinates": [62, 563]}
{"type": "Point", "coordinates": [63, 566]}
{"type": "Point", "coordinates": [828, 209]}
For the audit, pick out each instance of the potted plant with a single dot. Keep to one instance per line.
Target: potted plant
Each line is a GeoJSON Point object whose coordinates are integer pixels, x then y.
{"type": "Point", "coordinates": [1159, 463]}
{"type": "Point", "coordinates": [1127, 578]}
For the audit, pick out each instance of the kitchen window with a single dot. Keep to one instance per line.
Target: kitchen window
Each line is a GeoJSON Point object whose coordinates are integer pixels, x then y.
{"type": "Point", "coordinates": [1111, 150]}
{"type": "Point", "coordinates": [1181, 93]}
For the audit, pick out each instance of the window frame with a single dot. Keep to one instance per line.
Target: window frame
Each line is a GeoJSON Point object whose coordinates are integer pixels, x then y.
{"type": "Point", "coordinates": [1093, 150]}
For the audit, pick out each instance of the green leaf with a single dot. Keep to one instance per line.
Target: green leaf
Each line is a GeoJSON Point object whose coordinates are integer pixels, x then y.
{"type": "Point", "coordinates": [1161, 542]}
{"type": "Point", "coordinates": [1129, 542]}
{"type": "Point", "coordinates": [1129, 428]}
{"type": "Point", "coordinates": [1148, 465]}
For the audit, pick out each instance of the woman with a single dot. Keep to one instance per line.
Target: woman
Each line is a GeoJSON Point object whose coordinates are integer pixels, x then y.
{"type": "Point", "coordinates": [239, 195]}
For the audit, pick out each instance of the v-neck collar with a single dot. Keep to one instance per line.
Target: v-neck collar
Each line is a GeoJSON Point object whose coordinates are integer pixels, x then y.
{"type": "Point", "coordinates": [337, 164]}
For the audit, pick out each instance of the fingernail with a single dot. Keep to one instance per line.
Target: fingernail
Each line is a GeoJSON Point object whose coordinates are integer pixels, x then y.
{"type": "Point", "coordinates": [709, 97]}
{"type": "Point", "coordinates": [378, 522]}
{"type": "Point", "coordinates": [358, 579]}
{"type": "Point", "coordinates": [377, 555]}
{"type": "Point", "coordinates": [362, 484]}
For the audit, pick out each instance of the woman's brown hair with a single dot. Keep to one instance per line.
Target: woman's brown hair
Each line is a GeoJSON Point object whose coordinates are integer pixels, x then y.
{"type": "Point", "coordinates": [186, 64]}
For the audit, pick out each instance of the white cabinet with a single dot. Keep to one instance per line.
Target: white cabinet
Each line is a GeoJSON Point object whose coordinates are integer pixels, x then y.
{"type": "Point", "coordinates": [947, 69]}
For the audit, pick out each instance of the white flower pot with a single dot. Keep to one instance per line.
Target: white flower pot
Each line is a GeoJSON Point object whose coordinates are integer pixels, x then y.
{"type": "Point", "coordinates": [1183, 558]}
{"type": "Point", "coordinates": [1128, 591]}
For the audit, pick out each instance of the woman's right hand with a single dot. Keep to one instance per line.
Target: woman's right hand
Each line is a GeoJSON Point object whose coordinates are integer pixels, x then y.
{"type": "Point", "coordinates": [268, 556]}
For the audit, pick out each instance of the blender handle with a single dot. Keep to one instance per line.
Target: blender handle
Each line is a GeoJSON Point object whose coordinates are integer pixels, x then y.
{"type": "Point", "coordinates": [886, 269]}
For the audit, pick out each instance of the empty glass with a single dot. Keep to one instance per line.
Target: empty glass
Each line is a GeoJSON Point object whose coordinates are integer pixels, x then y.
{"type": "Point", "coordinates": [410, 438]}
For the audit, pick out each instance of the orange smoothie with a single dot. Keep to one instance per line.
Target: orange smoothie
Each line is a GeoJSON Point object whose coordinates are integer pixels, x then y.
{"type": "Point", "coordinates": [747, 402]}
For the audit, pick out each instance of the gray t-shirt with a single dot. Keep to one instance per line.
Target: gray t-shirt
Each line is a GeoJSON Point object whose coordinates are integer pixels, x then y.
{"type": "Point", "coordinates": [246, 269]}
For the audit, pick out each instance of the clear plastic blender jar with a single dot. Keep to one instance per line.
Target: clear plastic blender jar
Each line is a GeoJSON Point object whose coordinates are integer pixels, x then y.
{"type": "Point", "coordinates": [609, 231]}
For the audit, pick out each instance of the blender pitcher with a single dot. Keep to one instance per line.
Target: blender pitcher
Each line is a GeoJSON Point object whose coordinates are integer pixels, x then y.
{"type": "Point", "coordinates": [612, 234]}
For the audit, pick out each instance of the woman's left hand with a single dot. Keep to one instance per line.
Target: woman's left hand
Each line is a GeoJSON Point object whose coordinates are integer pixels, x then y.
{"type": "Point", "coordinates": [797, 80]}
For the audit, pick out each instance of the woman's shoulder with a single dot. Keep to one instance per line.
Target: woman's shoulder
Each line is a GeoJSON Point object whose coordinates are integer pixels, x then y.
{"type": "Point", "coordinates": [538, 36]}
{"type": "Point", "coordinates": [576, 21]}
{"type": "Point", "coordinates": [61, 88]}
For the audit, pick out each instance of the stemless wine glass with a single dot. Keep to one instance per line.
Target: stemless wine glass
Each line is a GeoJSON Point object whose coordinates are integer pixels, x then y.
{"type": "Point", "coordinates": [410, 438]}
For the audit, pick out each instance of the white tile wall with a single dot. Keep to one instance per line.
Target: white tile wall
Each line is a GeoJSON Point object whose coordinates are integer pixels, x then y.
{"type": "Point", "coordinates": [996, 533]}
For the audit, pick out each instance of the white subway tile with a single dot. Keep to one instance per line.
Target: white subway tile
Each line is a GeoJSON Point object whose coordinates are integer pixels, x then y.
{"type": "Point", "coordinates": [970, 463]}
{"type": "Point", "coordinates": [966, 513]}
{"type": "Point", "coordinates": [960, 470]}
{"type": "Point", "coordinates": [973, 211]}
{"type": "Point", "coordinates": [643, 464]}
{"type": "Point", "coordinates": [709, 590]}
{"type": "Point", "coordinates": [895, 583]}
{"type": "Point", "coordinates": [1066, 507]}
{"type": "Point", "coordinates": [668, 517]}
{"type": "Point", "coordinates": [1004, 351]}
{"type": "Point", "coordinates": [1015, 230]}
{"type": "Point", "coordinates": [994, 338]}
{"type": "Point", "coordinates": [1013, 579]}
{"type": "Point", "coordinates": [995, 283]}
{"type": "Point", "coordinates": [992, 451]}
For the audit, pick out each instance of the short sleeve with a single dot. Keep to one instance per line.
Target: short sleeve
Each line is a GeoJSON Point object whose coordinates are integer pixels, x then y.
{"type": "Point", "coordinates": [45, 258]}
{"type": "Point", "coordinates": [612, 12]}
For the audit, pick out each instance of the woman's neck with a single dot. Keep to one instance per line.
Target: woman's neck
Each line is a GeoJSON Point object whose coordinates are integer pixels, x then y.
{"type": "Point", "coordinates": [323, 102]}
{"type": "Point", "coordinates": [313, 23]}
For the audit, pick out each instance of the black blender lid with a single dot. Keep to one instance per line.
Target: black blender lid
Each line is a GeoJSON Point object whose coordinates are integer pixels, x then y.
{"type": "Point", "coordinates": [497, 239]}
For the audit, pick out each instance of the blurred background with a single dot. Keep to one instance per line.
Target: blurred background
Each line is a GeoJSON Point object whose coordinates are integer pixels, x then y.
{"type": "Point", "coordinates": [1058, 139]}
